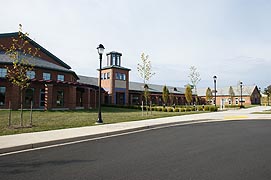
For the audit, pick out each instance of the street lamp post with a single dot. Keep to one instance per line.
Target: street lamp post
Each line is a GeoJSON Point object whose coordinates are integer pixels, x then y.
{"type": "Point", "coordinates": [215, 78]}
{"type": "Point", "coordinates": [241, 88]}
{"type": "Point", "coordinates": [100, 49]}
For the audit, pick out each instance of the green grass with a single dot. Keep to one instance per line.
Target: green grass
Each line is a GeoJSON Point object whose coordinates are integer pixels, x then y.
{"type": "Point", "coordinates": [50, 120]}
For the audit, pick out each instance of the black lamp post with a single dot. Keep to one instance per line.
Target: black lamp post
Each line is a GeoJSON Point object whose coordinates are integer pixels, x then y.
{"type": "Point", "coordinates": [241, 88]}
{"type": "Point", "coordinates": [100, 49]}
{"type": "Point", "coordinates": [215, 78]}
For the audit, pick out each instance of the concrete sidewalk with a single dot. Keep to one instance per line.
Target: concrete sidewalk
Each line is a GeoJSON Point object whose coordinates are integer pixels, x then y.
{"type": "Point", "coordinates": [25, 141]}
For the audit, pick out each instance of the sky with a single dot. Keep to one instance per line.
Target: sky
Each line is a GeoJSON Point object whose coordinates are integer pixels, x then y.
{"type": "Point", "coordinates": [227, 38]}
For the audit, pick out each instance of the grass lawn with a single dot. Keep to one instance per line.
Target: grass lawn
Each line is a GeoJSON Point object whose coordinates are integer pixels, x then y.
{"type": "Point", "coordinates": [50, 120]}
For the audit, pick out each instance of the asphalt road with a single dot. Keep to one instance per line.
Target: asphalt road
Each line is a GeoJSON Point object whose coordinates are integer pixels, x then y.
{"type": "Point", "coordinates": [222, 150]}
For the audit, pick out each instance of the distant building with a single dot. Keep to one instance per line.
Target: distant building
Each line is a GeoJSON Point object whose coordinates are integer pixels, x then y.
{"type": "Point", "coordinates": [250, 96]}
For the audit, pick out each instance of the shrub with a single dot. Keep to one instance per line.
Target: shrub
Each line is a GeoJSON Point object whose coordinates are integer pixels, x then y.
{"type": "Point", "coordinates": [176, 110]}
{"type": "Point", "coordinates": [193, 108]}
{"type": "Point", "coordinates": [169, 109]}
{"type": "Point", "coordinates": [213, 108]}
{"type": "Point", "coordinates": [200, 108]}
{"type": "Point", "coordinates": [206, 108]}
{"type": "Point", "coordinates": [182, 109]}
{"type": "Point", "coordinates": [164, 110]}
{"type": "Point", "coordinates": [160, 109]}
{"type": "Point", "coordinates": [188, 109]}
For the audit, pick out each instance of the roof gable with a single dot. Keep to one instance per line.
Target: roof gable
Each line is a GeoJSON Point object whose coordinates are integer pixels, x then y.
{"type": "Point", "coordinates": [36, 45]}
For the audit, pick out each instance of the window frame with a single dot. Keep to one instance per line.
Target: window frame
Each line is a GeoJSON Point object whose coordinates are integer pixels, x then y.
{"type": "Point", "coordinates": [3, 72]}
{"type": "Point", "coordinates": [44, 76]}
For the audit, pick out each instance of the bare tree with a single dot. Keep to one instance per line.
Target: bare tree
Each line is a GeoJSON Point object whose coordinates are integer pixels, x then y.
{"type": "Point", "coordinates": [209, 95]}
{"type": "Point", "coordinates": [194, 77]}
{"type": "Point", "coordinates": [232, 94]}
{"type": "Point", "coordinates": [145, 72]}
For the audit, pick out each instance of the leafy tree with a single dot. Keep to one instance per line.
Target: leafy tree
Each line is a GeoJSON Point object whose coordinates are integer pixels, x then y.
{"type": "Point", "coordinates": [188, 94]}
{"type": "Point", "coordinates": [209, 95]}
{"type": "Point", "coordinates": [17, 74]}
{"type": "Point", "coordinates": [232, 94]}
{"type": "Point", "coordinates": [165, 94]}
{"type": "Point", "coordinates": [194, 77]}
{"type": "Point", "coordinates": [145, 72]}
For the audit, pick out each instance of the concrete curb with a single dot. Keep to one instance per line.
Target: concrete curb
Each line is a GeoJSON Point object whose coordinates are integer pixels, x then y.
{"type": "Point", "coordinates": [100, 135]}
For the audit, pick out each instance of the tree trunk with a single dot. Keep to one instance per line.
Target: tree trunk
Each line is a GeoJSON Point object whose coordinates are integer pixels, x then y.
{"type": "Point", "coordinates": [21, 114]}
{"type": "Point", "coordinates": [31, 111]}
{"type": "Point", "coordinates": [9, 116]}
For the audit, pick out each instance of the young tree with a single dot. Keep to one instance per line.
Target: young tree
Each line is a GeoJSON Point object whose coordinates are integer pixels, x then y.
{"type": "Point", "coordinates": [145, 72]}
{"type": "Point", "coordinates": [232, 94]}
{"type": "Point", "coordinates": [267, 91]}
{"type": "Point", "coordinates": [209, 95]}
{"type": "Point", "coordinates": [194, 77]}
{"type": "Point", "coordinates": [17, 74]}
{"type": "Point", "coordinates": [165, 94]}
{"type": "Point", "coordinates": [188, 94]}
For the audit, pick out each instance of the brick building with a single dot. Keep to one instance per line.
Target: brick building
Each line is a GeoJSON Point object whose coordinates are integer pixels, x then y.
{"type": "Point", "coordinates": [53, 84]}
{"type": "Point", "coordinates": [250, 95]}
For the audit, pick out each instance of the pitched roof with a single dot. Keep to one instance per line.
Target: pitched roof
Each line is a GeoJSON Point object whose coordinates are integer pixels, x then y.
{"type": "Point", "coordinates": [16, 34]}
{"type": "Point", "coordinates": [155, 88]}
{"type": "Point", "coordinates": [35, 61]}
{"type": "Point", "coordinates": [246, 91]}
{"type": "Point", "coordinates": [135, 86]}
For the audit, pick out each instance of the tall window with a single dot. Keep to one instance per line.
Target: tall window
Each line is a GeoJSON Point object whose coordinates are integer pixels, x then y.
{"type": "Point", "coordinates": [46, 76]}
{"type": "Point", "coordinates": [118, 61]}
{"type": "Point", "coordinates": [60, 77]}
{"type": "Point", "coordinates": [108, 75]}
{"type": "Point", "coordinates": [2, 95]}
{"type": "Point", "coordinates": [29, 96]}
{"type": "Point", "coordinates": [3, 72]}
{"type": "Point", "coordinates": [42, 97]}
{"type": "Point", "coordinates": [31, 74]}
{"type": "Point", "coordinates": [113, 59]}
{"type": "Point", "coordinates": [59, 98]}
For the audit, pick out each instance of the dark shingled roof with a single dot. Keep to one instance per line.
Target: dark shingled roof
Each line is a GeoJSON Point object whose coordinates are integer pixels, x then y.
{"type": "Point", "coordinates": [135, 86]}
{"type": "Point", "coordinates": [16, 34]}
{"type": "Point", "coordinates": [35, 61]}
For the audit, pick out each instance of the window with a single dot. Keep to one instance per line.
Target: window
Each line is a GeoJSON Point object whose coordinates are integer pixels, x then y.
{"type": "Point", "coordinates": [236, 101]}
{"type": "Point", "coordinates": [31, 74]}
{"type": "Point", "coordinates": [2, 95]}
{"type": "Point", "coordinates": [120, 76]}
{"type": "Point", "coordinates": [118, 61]}
{"type": "Point", "coordinates": [59, 98]}
{"type": "Point", "coordinates": [29, 96]}
{"type": "Point", "coordinates": [46, 76]}
{"type": "Point", "coordinates": [113, 59]}
{"type": "Point", "coordinates": [3, 72]}
{"type": "Point", "coordinates": [229, 100]}
{"type": "Point", "coordinates": [108, 75]}
{"type": "Point", "coordinates": [60, 77]}
{"type": "Point", "coordinates": [42, 97]}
